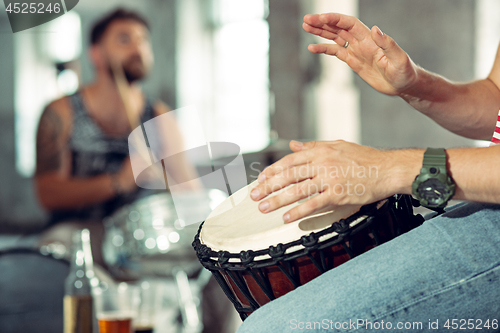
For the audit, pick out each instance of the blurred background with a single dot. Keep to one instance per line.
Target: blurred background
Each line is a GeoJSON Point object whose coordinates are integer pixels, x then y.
{"type": "Point", "coordinates": [244, 64]}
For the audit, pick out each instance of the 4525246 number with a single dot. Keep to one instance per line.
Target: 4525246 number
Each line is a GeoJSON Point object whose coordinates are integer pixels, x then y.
{"type": "Point", "coordinates": [469, 324]}
{"type": "Point", "coordinates": [33, 8]}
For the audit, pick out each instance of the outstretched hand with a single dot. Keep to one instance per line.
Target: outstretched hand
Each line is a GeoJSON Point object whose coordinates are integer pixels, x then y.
{"type": "Point", "coordinates": [373, 55]}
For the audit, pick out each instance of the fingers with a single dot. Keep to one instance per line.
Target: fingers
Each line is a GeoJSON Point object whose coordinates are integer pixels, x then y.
{"type": "Point", "coordinates": [289, 161]}
{"type": "Point", "coordinates": [293, 160]}
{"type": "Point", "coordinates": [348, 23]}
{"type": "Point", "coordinates": [326, 32]}
{"type": "Point", "coordinates": [297, 146]}
{"type": "Point", "coordinates": [327, 25]}
{"type": "Point", "coordinates": [313, 23]}
{"type": "Point", "coordinates": [337, 27]}
{"type": "Point", "coordinates": [308, 207]}
{"type": "Point", "coordinates": [387, 44]}
{"type": "Point", "coordinates": [281, 180]}
{"type": "Point", "coordinates": [293, 168]}
{"type": "Point", "coordinates": [290, 195]}
{"type": "Point", "coordinates": [330, 49]}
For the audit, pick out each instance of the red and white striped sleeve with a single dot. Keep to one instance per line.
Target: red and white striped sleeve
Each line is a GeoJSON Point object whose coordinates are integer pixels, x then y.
{"type": "Point", "coordinates": [495, 140]}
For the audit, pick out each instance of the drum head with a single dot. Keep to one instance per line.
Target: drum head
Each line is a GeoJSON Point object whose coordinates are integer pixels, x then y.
{"type": "Point", "coordinates": [238, 225]}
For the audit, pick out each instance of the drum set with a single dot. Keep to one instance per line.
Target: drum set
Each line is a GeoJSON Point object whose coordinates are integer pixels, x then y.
{"type": "Point", "coordinates": [153, 235]}
{"type": "Point", "coordinates": [151, 239]}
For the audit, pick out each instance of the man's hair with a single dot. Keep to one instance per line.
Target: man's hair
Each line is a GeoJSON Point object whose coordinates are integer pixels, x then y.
{"type": "Point", "coordinates": [100, 27]}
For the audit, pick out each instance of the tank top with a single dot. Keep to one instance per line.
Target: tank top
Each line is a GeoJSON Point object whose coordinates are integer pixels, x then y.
{"type": "Point", "coordinates": [94, 153]}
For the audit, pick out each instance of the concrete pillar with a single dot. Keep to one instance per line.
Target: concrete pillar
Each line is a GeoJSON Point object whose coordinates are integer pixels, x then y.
{"type": "Point", "coordinates": [285, 70]}
{"type": "Point", "coordinates": [19, 210]}
{"type": "Point", "coordinates": [337, 98]}
{"type": "Point", "coordinates": [439, 36]}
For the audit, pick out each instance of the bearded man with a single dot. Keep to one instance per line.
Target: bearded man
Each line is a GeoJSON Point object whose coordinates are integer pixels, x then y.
{"type": "Point", "coordinates": [83, 168]}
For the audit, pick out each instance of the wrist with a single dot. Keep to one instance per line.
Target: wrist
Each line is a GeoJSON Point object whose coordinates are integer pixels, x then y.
{"type": "Point", "coordinates": [417, 86]}
{"type": "Point", "coordinates": [402, 166]}
{"type": "Point", "coordinates": [407, 78]}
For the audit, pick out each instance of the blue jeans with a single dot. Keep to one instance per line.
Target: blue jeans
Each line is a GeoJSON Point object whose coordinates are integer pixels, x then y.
{"type": "Point", "coordinates": [443, 276]}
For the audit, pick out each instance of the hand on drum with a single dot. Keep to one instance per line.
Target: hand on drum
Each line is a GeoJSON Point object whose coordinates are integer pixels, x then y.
{"type": "Point", "coordinates": [334, 173]}
{"type": "Point", "coordinates": [372, 54]}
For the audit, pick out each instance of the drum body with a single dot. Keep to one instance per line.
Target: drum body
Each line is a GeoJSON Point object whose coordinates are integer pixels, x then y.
{"type": "Point", "coordinates": [150, 237]}
{"type": "Point", "coordinates": [251, 278]}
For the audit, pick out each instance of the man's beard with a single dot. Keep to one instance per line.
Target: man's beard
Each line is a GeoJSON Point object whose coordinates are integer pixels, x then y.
{"type": "Point", "coordinates": [133, 69]}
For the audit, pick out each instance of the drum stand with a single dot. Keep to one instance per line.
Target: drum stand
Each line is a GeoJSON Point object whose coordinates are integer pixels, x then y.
{"type": "Point", "coordinates": [189, 297]}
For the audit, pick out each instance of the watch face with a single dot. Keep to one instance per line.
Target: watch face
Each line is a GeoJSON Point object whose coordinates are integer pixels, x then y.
{"type": "Point", "coordinates": [434, 191]}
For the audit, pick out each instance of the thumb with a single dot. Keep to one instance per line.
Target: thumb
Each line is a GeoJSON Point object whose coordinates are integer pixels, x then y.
{"type": "Point", "coordinates": [387, 44]}
{"type": "Point", "coordinates": [297, 146]}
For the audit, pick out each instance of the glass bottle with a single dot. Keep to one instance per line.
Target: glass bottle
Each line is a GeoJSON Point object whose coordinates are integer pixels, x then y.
{"type": "Point", "coordinates": [78, 304]}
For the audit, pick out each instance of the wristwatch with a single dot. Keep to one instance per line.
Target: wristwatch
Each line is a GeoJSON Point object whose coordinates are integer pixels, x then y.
{"type": "Point", "coordinates": [434, 187]}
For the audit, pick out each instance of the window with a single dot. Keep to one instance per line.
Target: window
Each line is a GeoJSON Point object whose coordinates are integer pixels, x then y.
{"type": "Point", "coordinates": [224, 69]}
{"type": "Point", "coordinates": [40, 51]}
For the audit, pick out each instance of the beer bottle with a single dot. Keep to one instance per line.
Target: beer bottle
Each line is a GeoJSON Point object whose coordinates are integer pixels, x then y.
{"type": "Point", "coordinates": [78, 304]}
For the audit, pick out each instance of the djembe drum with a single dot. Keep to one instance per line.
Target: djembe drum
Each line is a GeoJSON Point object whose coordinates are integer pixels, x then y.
{"type": "Point", "coordinates": [256, 257]}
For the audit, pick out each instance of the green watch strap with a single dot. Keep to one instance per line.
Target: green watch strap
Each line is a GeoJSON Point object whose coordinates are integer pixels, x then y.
{"type": "Point", "coordinates": [434, 167]}
{"type": "Point", "coordinates": [435, 157]}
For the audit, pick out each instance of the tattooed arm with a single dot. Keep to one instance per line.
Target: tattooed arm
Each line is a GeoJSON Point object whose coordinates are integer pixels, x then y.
{"type": "Point", "coordinates": [55, 187]}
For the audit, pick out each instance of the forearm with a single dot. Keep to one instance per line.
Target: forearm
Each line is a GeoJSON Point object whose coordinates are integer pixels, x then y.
{"type": "Point", "coordinates": [467, 109]}
{"type": "Point", "coordinates": [55, 192]}
{"type": "Point", "coordinates": [474, 171]}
